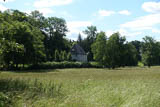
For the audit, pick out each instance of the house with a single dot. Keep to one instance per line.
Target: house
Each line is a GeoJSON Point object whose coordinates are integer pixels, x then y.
{"type": "Point", "coordinates": [78, 54]}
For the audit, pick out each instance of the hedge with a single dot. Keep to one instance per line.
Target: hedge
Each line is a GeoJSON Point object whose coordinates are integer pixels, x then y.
{"type": "Point", "coordinates": [65, 64]}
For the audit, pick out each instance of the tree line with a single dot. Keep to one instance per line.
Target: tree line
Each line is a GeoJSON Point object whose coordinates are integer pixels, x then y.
{"type": "Point", "coordinates": [115, 51]}
{"type": "Point", "coordinates": [30, 39]}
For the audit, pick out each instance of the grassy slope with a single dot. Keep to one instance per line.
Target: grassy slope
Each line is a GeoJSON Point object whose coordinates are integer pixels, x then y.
{"type": "Point", "coordinates": [124, 87]}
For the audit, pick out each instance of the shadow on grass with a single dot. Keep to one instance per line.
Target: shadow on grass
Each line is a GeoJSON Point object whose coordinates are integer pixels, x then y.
{"type": "Point", "coordinates": [33, 71]}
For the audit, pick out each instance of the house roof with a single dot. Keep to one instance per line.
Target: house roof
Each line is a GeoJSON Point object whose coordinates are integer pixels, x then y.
{"type": "Point", "coordinates": [76, 49]}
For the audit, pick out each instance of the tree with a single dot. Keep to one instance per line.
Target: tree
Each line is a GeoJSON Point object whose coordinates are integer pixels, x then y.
{"type": "Point", "coordinates": [115, 50]}
{"type": "Point", "coordinates": [150, 51]}
{"type": "Point", "coordinates": [15, 30]}
{"type": "Point", "coordinates": [12, 53]}
{"type": "Point", "coordinates": [138, 45]}
{"type": "Point", "coordinates": [64, 55]}
{"type": "Point", "coordinates": [37, 19]}
{"type": "Point", "coordinates": [55, 38]}
{"type": "Point", "coordinates": [79, 40]}
{"type": "Point", "coordinates": [57, 56]}
{"type": "Point", "coordinates": [69, 56]}
{"type": "Point", "coordinates": [91, 33]}
{"type": "Point", "coordinates": [99, 48]}
{"type": "Point", "coordinates": [130, 55]}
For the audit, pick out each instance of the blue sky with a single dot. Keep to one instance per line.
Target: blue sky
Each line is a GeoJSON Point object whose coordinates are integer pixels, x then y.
{"type": "Point", "coordinates": [132, 18]}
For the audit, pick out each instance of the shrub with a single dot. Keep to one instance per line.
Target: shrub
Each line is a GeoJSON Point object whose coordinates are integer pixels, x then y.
{"type": "Point", "coordinates": [65, 64]}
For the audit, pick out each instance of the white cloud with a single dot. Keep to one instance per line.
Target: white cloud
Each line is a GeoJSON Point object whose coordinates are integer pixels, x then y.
{"type": "Point", "coordinates": [154, 30]}
{"type": "Point", "coordinates": [124, 12]}
{"type": "Point", "coordinates": [2, 8]}
{"type": "Point", "coordinates": [105, 13]}
{"type": "Point", "coordinates": [75, 28]}
{"type": "Point", "coordinates": [65, 14]}
{"type": "Point", "coordinates": [45, 11]}
{"type": "Point", "coordinates": [142, 23]}
{"type": "Point", "coordinates": [153, 7]}
{"type": "Point", "coordinates": [50, 3]}
{"type": "Point", "coordinates": [110, 32]}
{"type": "Point", "coordinates": [123, 32]}
{"type": "Point", "coordinates": [78, 24]}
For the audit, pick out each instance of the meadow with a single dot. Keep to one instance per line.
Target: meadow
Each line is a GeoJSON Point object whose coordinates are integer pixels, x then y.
{"type": "Point", "coordinates": [122, 87]}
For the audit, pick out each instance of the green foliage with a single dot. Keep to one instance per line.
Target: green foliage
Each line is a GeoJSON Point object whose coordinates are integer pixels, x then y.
{"type": "Point", "coordinates": [115, 50]}
{"type": "Point", "coordinates": [64, 56]}
{"type": "Point", "coordinates": [99, 48]}
{"type": "Point", "coordinates": [79, 40]}
{"type": "Point", "coordinates": [130, 57]}
{"type": "Point", "coordinates": [55, 36]}
{"type": "Point", "coordinates": [21, 42]}
{"type": "Point", "coordinates": [140, 64]}
{"type": "Point", "coordinates": [138, 46]}
{"type": "Point", "coordinates": [91, 33]}
{"type": "Point", "coordinates": [33, 39]}
{"type": "Point", "coordinates": [150, 51]}
{"type": "Point", "coordinates": [69, 56]}
{"type": "Point", "coordinates": [64, 64]}
{"type": "Point", "coordinates": [57, 55]}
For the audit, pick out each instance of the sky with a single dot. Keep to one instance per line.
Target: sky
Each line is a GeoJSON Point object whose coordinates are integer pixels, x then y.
{"type": "Point", "coordinates": [134, 19]}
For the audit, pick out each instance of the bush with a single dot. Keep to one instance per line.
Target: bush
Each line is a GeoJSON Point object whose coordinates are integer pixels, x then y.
{"type": "Point", "coordinates": [65, 64]}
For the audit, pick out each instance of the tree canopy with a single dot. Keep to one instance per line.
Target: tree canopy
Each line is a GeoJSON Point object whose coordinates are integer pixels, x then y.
{"type": "Point", "coordinates": [30, 39]}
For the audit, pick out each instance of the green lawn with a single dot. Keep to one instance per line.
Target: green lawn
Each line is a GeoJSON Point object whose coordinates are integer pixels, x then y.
{"type": "Point", "coordinates": [123, 87]}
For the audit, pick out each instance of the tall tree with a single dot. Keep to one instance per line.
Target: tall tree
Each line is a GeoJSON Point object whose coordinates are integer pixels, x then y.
{"type": "Point", "coordinates": [130, 55]}
{"type": "Point", "coordinates": [115, 50]}
{"type": "Point", "coordinates": [55, 38]}
{"type": "Point", "coordinates": [99, 48]}
{"type": "Point", "coordinates": [37, 19]}
{"type": "Point", "coordinates": [79, 40]}
{"type": "Point", "coordinates": [150, 51]}
{"type": "Point", "coordinates": [91, 33]}
{"type": "Point", "coordinates": [15, 30]}
{"type": "Point", "coordinates": [138, 45]}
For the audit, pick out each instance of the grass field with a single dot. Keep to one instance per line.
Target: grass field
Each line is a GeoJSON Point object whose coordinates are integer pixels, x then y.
{"type": "Point", "coordinates": [123, 87]}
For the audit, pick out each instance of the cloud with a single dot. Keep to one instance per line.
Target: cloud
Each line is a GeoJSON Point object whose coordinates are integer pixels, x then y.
{"type": "Point", "coordinates": [143, 23]}
{"type": "Point", "coordinates": [152, 7]}
{"type": "Point", "coordinates": [45, 11]}
{"type": "Point", "coordinates": [2, 8]}
{"type": "Point", "coordinates": [78, 24]}
{"type": "Point", "coordinates": [105, 13]}
{"type": "Point", "coordinates": [75, 27]}
{"type": "Point", "coordinates": [154, 30]}
{"type": "Point", "coordinates": [123, 32]}
{"type": "Point", "coordinates": [65, 14]}
{"type": "Point", "coordinates": [124, 12]}
{"type": "Point", "coordinates": [50, 3]}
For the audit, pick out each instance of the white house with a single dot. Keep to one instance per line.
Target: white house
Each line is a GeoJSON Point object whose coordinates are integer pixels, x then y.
{"type": "Point", "coordinates": [78, 54]}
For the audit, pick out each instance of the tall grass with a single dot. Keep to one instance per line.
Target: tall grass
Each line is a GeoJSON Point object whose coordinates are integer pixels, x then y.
{"type": "Point", "coordinates": [123, 87]}
{"type": "Point", "coordinates": [11, 89]}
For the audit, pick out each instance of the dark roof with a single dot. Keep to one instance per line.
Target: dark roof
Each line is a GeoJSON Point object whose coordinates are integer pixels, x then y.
{"type": "Point", "coordinates": [76, 49]}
